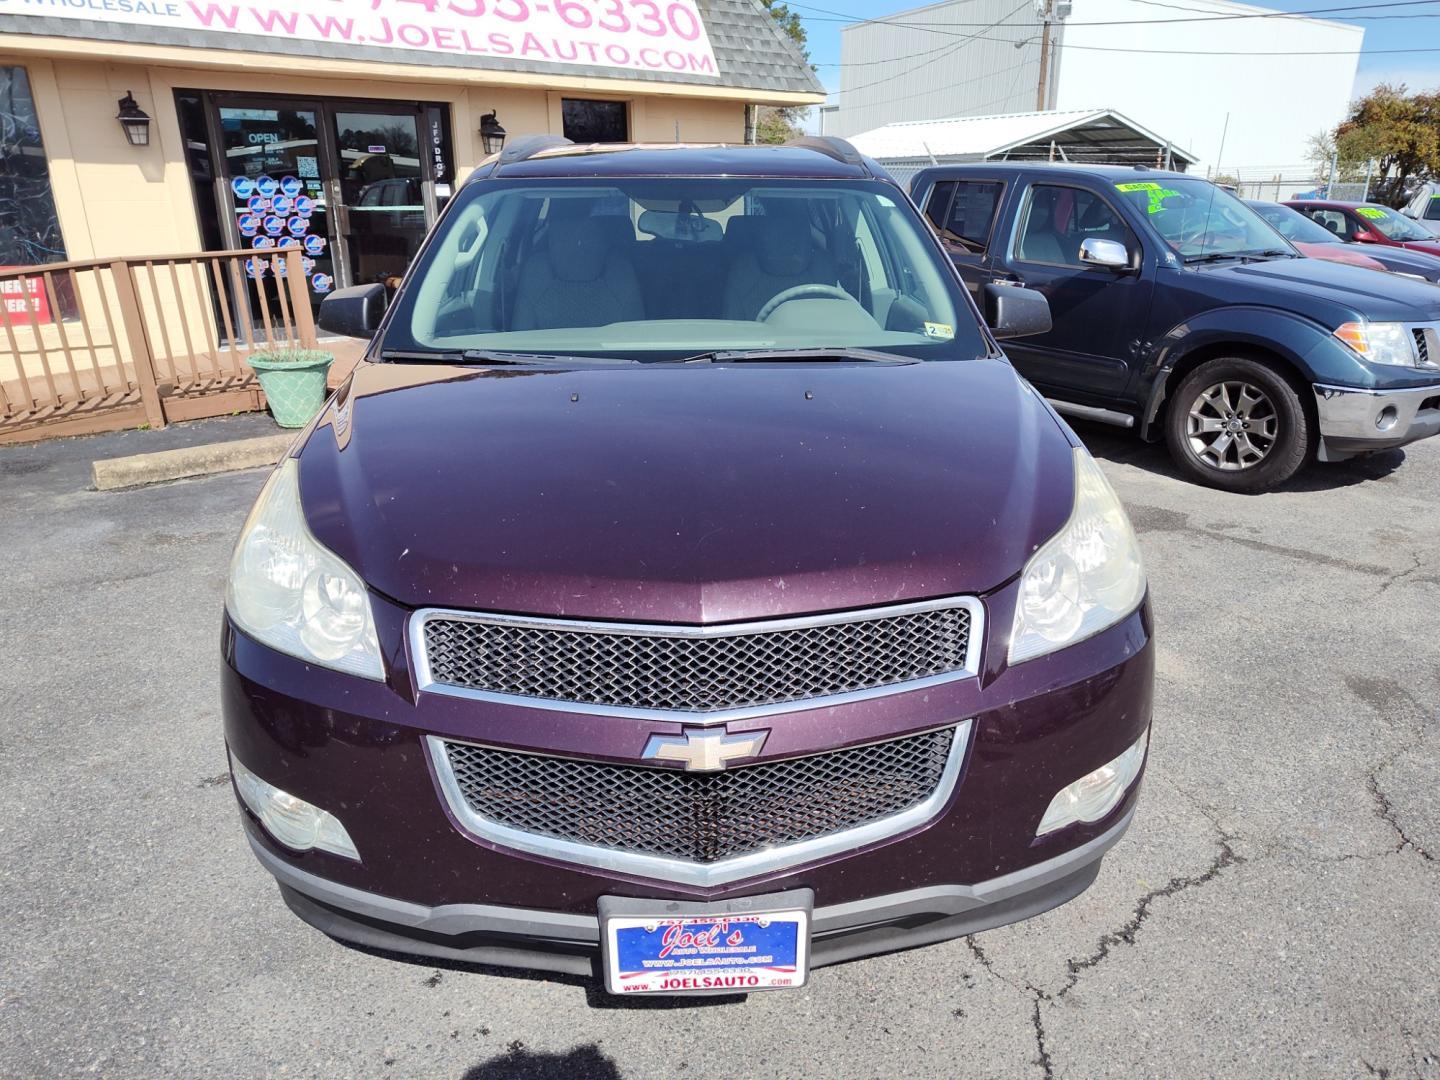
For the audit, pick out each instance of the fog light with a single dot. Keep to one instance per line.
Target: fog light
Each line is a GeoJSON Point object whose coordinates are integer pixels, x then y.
{"type": "Point", "coordinates": [1095, 794]}
{"type": "Point", "coordinates": [1386, 420]}
{"type": "Point", "coordinates": [299, 825]}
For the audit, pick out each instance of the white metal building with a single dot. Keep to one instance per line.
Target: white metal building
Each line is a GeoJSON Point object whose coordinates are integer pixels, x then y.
{"type": "Point", "coordinates": [1099, 135]}
{"type": "Point", "coordinates": [1184, 70]}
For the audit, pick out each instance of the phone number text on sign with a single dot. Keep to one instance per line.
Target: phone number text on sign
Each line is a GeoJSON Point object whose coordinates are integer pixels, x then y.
{"type": "Point", "coordinates": [640, 35]}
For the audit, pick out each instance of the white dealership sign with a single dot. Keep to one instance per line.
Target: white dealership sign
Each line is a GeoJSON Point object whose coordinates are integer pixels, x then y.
{"type": "Point", "coordinates": [638, 35]}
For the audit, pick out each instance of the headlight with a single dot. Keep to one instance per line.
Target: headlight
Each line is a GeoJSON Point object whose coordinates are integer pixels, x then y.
{"type": "Point", "coordinates": [1086, 577]}
{"type": "Point", "coordinates": [299, 825]}
{"type": "Point", "coordinates": [288, 592]}
{"type": "Point", "coordinates": [1381, 343]}
{"type": "Point", "coordinates": [1095, 794]}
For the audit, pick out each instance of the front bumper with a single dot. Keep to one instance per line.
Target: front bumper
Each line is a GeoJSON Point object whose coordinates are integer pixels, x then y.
{"type": "Point", "coordinates": [1355, 421]}
{"type": "Point", "coordinates": [426, 884]}
{"type": "Point", "coordinates": [570, 944]}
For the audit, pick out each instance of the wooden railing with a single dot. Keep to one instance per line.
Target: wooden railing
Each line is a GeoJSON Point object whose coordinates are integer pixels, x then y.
{"type": "Point", "coordinates": [112, 343]}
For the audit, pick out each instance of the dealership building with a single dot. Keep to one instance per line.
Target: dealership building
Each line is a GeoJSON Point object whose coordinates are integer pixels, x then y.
{"type": "Point", "coordinates": [152, 127]}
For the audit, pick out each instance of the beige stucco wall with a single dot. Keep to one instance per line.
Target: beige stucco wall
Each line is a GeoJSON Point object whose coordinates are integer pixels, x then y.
{"type": "Point", "coordinates": [116, 200]}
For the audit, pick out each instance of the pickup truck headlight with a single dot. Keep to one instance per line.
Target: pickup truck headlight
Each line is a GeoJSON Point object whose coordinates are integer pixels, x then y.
{"type": "Point", "coordinates": [289, 592]}
{"type": "Point", "coordinates": [1086, 577]}
{"type": "Point", "coordinates": [1382, 343]}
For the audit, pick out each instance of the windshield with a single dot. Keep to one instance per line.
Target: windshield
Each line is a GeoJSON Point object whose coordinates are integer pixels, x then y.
{"type": "Point", "coordinates": [1392, 225]}
{"type": "Point", "coordinates": [1294, 225]}
{"type": "Point", "coordinates": [659, 268]}
{"type": "Point", "coordinates": [1198, 219]}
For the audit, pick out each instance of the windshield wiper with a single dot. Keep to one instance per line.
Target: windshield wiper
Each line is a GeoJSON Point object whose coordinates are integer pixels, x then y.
{"type": "Point", "coordinates": [1214, 256]}
{"type": "Point", "coordinates": [1269, 253]}
{"type": "Point", "coordinates": [809, 356]}
{"type": "Point", "coordinates": [496, 357]}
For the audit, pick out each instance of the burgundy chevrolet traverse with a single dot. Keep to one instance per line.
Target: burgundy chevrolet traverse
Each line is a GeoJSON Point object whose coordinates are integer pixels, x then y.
{"type": "Point", "coordinates": [684, 590]}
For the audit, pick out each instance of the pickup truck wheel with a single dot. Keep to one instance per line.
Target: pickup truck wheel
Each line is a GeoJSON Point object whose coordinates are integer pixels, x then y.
{"type": "Point", "coordinates": [1237, 425]}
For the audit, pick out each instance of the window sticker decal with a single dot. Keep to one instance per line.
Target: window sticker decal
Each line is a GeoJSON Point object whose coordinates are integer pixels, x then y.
{"type": "Point", "coordinates": [249, 224]}
{"type": "Point", "coordinates": [298, 226]}
{"type": "Point", "coordinates": [274, 226]}
{"type": "Point", "coordinates": [260, 243]}
{"type": "Point", "coordinates": [258, 204]}
{"type": "Point", "coordinates": [321, 283]}
{"type": "Point", "coordinates": [281, 204]}
{"type": "Point", "coordinates": [939, 331]}
{"type": "Point", "coordinates": [290, 186]}
{"type": "Point", "coordinates": [304, 205]}
{"type": "Point", "coordinates": [1372, 212]}
{"type": "Point", "coordinates": [314, 244]}
{"type": "Point", "coordinates": [267, 186]}
{"type": "Point", "coordinates": [1157, 193]}
{"type": "Point", "coordinates": [255, 268]}
{"type": "Point", "coordinates": [243, 187]}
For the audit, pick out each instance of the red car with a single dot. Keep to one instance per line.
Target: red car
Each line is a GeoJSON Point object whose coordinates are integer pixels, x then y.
{"type": "Point", "coordinates": [1369, 223]}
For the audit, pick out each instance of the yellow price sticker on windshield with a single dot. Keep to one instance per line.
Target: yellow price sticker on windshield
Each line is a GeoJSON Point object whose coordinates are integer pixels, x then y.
{"type": "Point", "coordinates": [1146, 186]}
{"type": "Point", "coordinates": [1371, 212]}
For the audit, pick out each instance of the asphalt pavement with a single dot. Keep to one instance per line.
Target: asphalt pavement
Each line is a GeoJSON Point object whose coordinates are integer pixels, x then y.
{"type": "Point", "coordinates": [1274, 911]}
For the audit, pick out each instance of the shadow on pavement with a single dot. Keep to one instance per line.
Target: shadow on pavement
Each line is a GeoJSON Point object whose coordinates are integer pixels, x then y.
{"type": "Point", "coordinates": [1122, 446]}
{"type": "Point", "coordinates": [582, 1063]}
{"type": "Point", "coordinates": [594, 988]}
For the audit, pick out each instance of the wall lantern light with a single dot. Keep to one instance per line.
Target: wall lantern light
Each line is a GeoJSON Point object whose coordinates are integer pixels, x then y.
{"type": "Point", "coordinates": [134, 120]}
{"type": "Point", "coordinates": [492, 135]}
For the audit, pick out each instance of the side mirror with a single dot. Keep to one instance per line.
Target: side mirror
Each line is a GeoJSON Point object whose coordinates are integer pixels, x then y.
{"type": "Point", "coordinates": [354, 312]}
{"type": "Point", "coordinates": [1110, 254]}
{"type": "Point", "coordinates": [1362, 236]}
{"type": "Point", "coordinates": [1013, 311]}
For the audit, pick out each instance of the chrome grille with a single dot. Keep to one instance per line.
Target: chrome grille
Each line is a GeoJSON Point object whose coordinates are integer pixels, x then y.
{"type": "Point", "coordinates": [700, 818]}
{"type": "Point", "coordinates": [693, 669]}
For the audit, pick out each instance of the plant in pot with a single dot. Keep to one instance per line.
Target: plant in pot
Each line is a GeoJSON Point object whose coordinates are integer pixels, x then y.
{"type": "Point", "coordinates": [293, 381]}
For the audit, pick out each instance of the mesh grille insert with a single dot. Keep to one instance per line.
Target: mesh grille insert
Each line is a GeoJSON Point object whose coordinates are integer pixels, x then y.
{"type": "Point", "coordinates": [699, 817]}
{"type": "Point", "coordinates": [651, 669]}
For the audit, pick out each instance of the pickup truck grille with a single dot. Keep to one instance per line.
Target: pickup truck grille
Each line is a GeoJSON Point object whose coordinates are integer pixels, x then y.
{"type": "Point", "coordinates": [643, 668]}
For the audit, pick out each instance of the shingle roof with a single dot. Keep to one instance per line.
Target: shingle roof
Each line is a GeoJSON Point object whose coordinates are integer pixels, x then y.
{"type": "Point", "coordinates": [984, 135]}
{"type": "Point", "coordinates": [751, 50]}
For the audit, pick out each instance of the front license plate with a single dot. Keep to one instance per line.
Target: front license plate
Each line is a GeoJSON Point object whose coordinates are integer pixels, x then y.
{"type": "Point", "coordinates": [726, 951]}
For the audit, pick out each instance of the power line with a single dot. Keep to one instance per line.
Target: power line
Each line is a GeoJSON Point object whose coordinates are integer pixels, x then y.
{"type": "Point", "coordinates": [935, 27]}
{"type": "Point", "coordinates": [973, 37]}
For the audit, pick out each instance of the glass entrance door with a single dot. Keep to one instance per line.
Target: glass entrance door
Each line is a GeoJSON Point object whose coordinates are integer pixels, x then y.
{"type": "Point", "coordinates": [271, 182]}
{"type": "Point", "coordinates": [379, 191]}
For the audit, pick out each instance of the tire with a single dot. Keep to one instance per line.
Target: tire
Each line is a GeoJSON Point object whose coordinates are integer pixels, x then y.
{"type": "Point", "coordinates": [1238, 425]}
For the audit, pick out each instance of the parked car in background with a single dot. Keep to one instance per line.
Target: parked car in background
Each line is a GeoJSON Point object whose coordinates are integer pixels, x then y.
{"type": "Point", "coordinates": [1318, 242]}
{"type": "Point", "coordinates": [1369, 223]}
{"type": "Point", "coordinates": [688, 636]}
{"type": "Point", "coordinates": [1424, 207]}
{"type": "Point", "coordinates": [1178, 311]}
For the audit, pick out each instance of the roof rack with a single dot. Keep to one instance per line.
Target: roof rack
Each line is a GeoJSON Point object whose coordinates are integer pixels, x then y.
{"type": "Point", "coordinates": [527, 146]}
{"type": "Point", "coordinates": [832, 146]}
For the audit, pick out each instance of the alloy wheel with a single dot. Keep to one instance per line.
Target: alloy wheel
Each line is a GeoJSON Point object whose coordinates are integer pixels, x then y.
{"type": "Point", "coordinates": [1233, 425]}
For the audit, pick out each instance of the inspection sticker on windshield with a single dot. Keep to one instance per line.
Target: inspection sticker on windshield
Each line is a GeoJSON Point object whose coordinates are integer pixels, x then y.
{"type": "Point", "coordinates": [939, 330]}
{"type": "Point", "coordinates": [728, 953]}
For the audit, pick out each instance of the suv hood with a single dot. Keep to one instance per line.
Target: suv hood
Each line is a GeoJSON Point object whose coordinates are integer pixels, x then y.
{"type": "Point", "coordinates": [1316, 287]}
{"type": "Point", "coordinates": [699, 494]}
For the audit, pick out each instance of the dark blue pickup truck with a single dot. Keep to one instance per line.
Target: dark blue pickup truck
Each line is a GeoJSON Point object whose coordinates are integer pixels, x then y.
{"type": "Point", "coordinates": [1179, 311]}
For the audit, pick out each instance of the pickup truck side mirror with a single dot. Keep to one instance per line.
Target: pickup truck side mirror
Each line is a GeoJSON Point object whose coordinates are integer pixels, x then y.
{"type": "Point", "coordinates": [354, 312]}
{"type": "Point", "coordinates": [1095, 251]}
{"type": "Point", "coordinates": [1013, 311]}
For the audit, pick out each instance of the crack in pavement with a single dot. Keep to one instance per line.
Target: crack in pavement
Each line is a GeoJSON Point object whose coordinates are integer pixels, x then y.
{"type": "Point", "coordinates": [1225, 858]}
{"type": "Point", "coordinates": [1047, 1066]}
{"type": "Point", "coordinates": [1385, 811]}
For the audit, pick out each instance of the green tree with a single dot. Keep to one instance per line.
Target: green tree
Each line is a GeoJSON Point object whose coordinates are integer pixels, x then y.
{"type": "Point", "coordinates": [1400, 132]}
{"type": "Point", "coordinates": [778, 124]}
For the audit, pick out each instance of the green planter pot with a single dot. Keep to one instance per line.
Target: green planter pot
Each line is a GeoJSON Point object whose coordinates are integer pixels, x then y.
{"type": "Point", "coordinates": [294, 383]}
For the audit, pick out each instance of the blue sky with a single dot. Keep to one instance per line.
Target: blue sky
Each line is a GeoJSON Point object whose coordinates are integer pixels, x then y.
{"type": "Point", "coordinates": [1421, 71]}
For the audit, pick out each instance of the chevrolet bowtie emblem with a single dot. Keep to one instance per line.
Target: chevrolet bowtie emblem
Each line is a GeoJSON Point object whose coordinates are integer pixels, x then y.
{"type": "Point", "coordinates": [704, 749]}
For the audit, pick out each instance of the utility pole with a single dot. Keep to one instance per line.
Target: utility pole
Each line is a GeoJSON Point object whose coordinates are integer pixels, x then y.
{"type": "Point", "coordinates": [1330, 180]}
{"type": "Point", "coordinates": [1045, 9]}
